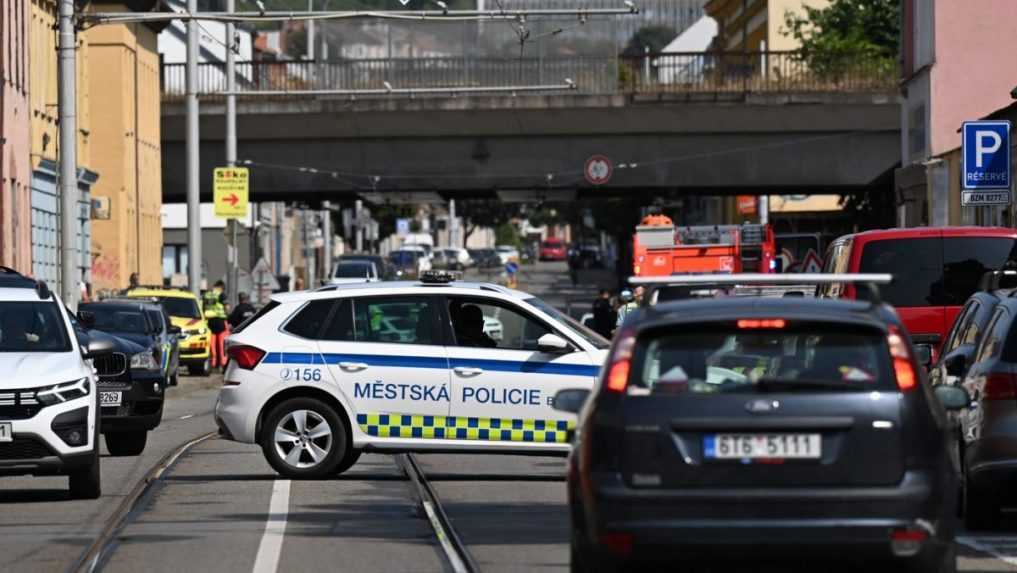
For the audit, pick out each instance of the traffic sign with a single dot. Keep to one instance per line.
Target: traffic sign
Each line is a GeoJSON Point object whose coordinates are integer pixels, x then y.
{"type": "Point", "coordinates": [986, 155]}
{"type": "Point", "coordinates": [229, 192]}
{"type": "Point", "coordinates": [985, 198]}
{"type": "Point", "coordinates": [812, 264]}
{"type": "Point", "coordinates": [598, 170]}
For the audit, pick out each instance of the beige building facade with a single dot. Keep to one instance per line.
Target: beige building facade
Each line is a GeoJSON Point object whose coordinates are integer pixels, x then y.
{"type": "Point", "coordinates": [15, 114]}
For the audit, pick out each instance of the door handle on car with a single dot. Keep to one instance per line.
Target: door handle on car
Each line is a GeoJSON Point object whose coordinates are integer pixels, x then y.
{"type": "Point", "coordinates": [467, 371]}
{"type": "Point", "coordinates": [353, 366]}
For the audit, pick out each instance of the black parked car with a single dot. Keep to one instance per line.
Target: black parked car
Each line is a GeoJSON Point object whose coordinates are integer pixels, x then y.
{"type": "Point", "coordinates": [763, 427]}
{"type": "Point", "coordinates": [132, 403]}
{"type": "Point", "coordinates": [988, 432]}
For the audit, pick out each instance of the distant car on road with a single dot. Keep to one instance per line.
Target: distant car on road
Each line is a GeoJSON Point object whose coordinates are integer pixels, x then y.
{"type": "Point", "coordinates": [184, 312]}
{"type": "Point", "coordinates": [553, 249]}
{"type": "Point", "coordinates": [385, 271]}
{"type": "Point", "coordinates": [507, 253]}
{"type": "Point", "coordinates": [348, 272]}
{"type": "Point", "coordinates": [409, 263]}
{"type": "Point", "coordinates": [485, 258]}
{"type": "Point", "coordinates": [749, 427]}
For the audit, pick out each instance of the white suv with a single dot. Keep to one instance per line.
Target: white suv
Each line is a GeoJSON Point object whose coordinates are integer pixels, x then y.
{"type": "Point", "coordinates": [48, 414]}
{"type": "Point", "coordinates": [316, 378]}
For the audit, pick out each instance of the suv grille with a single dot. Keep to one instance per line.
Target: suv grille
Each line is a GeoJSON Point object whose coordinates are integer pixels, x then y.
{"type": "Point", "coordinates": [24, 448]}
{"type": "Point", "coordinates": [19, 404]}
{"type": "Point", "coordinates": [112, 367]}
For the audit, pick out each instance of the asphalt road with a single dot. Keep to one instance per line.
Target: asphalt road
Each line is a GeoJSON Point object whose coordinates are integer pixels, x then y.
{"type": "Point", "coordinates": [221, 508]}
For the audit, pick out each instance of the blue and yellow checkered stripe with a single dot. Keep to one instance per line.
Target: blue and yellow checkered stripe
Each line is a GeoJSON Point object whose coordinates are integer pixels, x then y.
{"type": "Point", "coordinates": [465, 428]}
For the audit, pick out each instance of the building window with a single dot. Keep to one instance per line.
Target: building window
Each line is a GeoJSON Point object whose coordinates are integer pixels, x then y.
{"type": "Point", "coordinates": [174, 261]}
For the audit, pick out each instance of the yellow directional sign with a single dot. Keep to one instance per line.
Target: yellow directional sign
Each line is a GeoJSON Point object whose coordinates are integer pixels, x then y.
{"type": "Point", "coordinates": [229, 192]}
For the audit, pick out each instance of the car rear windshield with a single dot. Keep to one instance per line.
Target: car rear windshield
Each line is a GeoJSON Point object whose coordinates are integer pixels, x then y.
{"type": "Point", "coordinates": [32, 327]}
{"type": "Point", "coordinates": [180, 307]}
{"type": "Point", "coordinates": [352, 271]}
{"type": "Point", "coordinates": [933, 271]}
{"type": "Point", "coordinates": [804, 357]}
{"type": "Point", "coordinates": [403, 258]}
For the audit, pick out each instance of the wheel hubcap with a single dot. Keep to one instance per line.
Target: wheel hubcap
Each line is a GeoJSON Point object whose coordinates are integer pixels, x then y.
{"type": "Point", "coordinates": [303, 439]}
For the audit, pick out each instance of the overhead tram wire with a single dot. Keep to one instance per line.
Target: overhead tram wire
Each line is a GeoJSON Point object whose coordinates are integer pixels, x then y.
{"type": "Point", "coordinates": [87, 20]}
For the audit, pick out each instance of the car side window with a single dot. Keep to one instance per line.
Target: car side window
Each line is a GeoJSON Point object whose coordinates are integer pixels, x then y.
{"type": "Point", "coordinates": [309, 321]}
{"type": "Point", "coordinates": [957, 332]}
{"type": "Point", "coordinates": [971, 331]}
{"type": "Point", "coordinates": [340, 325]}
{"type": "Point", "coordinates": [480, 323]}
{"type": "Point", "coordinates": [396, 319]}
{"type": "Point", "coordinates": [991, 342]}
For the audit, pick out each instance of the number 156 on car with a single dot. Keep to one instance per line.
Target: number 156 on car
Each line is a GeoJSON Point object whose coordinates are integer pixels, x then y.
{"type": "Point", "coordinates": [762, 446]}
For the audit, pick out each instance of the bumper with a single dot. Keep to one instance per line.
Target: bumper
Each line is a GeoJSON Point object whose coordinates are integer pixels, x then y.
{"type": "Point", "coordinates": [51, 464]}
{"type": "Point", "coordinates": [140, 408]}
{"type": "Point", "coordinates": [194, 349]}
{"type": "Point", "coordinates": [37, 446]}
{"type": "Point", "coordinates": [800, 520]}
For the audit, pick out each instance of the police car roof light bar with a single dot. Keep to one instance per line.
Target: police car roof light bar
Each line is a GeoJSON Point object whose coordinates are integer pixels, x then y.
{"type": "Point", "coordinates": [439, 277]}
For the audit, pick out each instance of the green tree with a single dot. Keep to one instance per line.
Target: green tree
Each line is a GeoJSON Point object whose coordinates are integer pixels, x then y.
{"type": "Point", "coordinates": [484, 213]}
{"type": "Point", "coordinates": [846, 32]}
{"type": "Point", "coordinates": [654, 37]}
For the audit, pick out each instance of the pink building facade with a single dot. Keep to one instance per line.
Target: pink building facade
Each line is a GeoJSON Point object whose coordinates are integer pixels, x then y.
{"type": "Point", "coordinates": [958, 65]}
{"type": "Point", "coordinates": [15, 143]}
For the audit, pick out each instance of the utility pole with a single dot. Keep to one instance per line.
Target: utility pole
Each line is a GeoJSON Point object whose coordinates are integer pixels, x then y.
{"type": "Point", "coordinates": [453, 225]}
{"type": "Point", "coordinates": [310, 32]}
{"type": "Point", "coordinates": [358, 224]}
{"type": "Point", "coordinates": [193, 165]}
{"type": "Point", "coordinates": [231, 147]}
{"type": "Point", "coordinates": [326, 247]}
{"type": "Point", "coordinates": [67, 114]}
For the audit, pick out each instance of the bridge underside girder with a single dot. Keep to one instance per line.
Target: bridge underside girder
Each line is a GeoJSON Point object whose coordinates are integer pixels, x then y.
{"type": "Point", "coordinates": [331, 150]}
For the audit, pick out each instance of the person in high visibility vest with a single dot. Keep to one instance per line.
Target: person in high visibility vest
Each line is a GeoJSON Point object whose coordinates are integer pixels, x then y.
{"type": "Point", "coordinates": [630, 301]}
{"type": "Point", "coordinates": [214, 307]}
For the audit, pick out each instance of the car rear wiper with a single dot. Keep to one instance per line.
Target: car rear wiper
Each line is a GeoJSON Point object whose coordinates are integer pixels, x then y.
{"type": "Point", "coordinates": [774, 384]}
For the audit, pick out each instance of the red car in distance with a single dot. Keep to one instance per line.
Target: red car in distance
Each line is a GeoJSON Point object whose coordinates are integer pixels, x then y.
{"type": "Point", "coordinates": [553, 249]}
{"type": "Point", "coordinates": [935, 270]}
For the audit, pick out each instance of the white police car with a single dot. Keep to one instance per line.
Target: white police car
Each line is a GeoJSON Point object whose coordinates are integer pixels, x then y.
{"type": "Point", "coordinates": [318, 377]}
{"type": "Point", "coordinates": [48, 413]}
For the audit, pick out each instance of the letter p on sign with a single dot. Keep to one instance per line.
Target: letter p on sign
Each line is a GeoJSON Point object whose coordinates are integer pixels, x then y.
{"type": "Point", "coordinates": [981, 149]}
{"type": "Point", "coordinates": [986, 155]}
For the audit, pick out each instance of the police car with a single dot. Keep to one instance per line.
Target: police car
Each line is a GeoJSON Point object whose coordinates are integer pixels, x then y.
{"type": "Point", "coordinates": [318, 377]}
{"type": "Point", "coordinates": [49, 422]}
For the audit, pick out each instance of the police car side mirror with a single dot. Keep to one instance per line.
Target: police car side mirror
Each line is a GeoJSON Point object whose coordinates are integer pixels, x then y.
{"type": "Point", "coordinates": [570, 401]}
{"type": "Point", "coordinates": [100, 347]}
{"type": "Point", "coordinates": [553, 344]}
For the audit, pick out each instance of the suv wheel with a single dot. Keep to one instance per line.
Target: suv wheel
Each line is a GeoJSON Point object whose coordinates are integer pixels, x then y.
{"type": "Point", "coordinates": [200, 369]}
{"type": "Point", "coordinates": [86, 482]}
{"type": "Point", "coordinates": [126, 443]}
{"type": "Point", "coordinates": [304, 438]}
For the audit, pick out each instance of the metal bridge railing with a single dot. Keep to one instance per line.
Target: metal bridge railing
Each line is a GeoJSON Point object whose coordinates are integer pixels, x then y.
{"type": "Point", "coordinates": [677, 73]}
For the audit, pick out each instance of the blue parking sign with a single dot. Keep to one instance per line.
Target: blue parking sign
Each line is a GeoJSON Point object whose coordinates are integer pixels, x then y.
{"type": "Point", "coordinates": [986, 154]}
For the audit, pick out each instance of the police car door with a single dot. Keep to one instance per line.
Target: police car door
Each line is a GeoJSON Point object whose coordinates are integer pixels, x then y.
{"type": "Point", "coordinates": [390, 362]}
{"type": "Point", "coordinates": [502, 385]}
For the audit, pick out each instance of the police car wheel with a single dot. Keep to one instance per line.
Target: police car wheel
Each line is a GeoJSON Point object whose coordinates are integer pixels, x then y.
{"type": "Point", "coordinates": [304, 438]}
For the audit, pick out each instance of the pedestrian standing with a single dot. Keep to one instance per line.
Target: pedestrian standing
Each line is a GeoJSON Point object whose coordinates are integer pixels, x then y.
{"type": "Point", "coordinates": [604, 315]}
{"type": "Point", "coordinates": [630, 302]}
{"type": "Point", "coordinates": [214, 306]}
{"type": "Point", "coordinates": [243, 311]}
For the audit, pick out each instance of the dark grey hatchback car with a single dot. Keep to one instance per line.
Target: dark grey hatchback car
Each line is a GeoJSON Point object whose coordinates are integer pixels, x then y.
{"type": "Point", "coordinates": [763, 428]}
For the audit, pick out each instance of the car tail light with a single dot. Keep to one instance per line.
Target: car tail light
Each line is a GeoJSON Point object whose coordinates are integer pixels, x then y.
{"type": "Point", "coordinates": [620, 362]}
{"type": "Point", "coordinates": [246, 357]}
{"type": "Point", "coordinates": [617, 543]}
{"type": "Point", "coordinates": [907, 542]}
{"type": "Point", "coordinates": [1000, 386]}
{"type": "Point", "coordinates": [764, 323]}
{"type": "Point", "coordinates": [903, 369]}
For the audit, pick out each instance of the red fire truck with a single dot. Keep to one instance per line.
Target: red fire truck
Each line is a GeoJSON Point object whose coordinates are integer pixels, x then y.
{"type": "Point", "coordinates": [661, 249]}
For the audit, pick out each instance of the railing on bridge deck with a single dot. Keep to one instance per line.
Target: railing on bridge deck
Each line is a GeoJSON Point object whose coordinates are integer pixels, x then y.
{"type": "Point", "coordinates": [676, 73]}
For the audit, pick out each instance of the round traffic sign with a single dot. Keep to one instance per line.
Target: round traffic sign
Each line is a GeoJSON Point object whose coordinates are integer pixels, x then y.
{"type": "Point", "coordinates": [598, 170]}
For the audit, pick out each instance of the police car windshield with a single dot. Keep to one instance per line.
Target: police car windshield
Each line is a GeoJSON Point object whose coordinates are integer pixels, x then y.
{"type": "Point", "coordinates": [746, 358]}
{"type": "Point", "coordinates": [32, 327]}
{"type": "Point", "coordinates": [114, 318]}
{"type": "Point", "coordinates": [571, 324]}
{"type": "Point", "coordinates": [180, 307]}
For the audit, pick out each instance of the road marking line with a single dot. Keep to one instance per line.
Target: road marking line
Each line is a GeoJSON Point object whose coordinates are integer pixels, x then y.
{"type": "Point", "coordinates": [187, 416]}
{"type": "Point", "coordinates": [270, 548]}
{"type": "Point", "coordinates": [979, 546]}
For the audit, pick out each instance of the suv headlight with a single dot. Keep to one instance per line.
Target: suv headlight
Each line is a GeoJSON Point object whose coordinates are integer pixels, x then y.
{"type": "Point", "coordinates": [144, 361]}
{"type": "Point", "coordinates": [63, 392]}
{"type": "Point", "coordinates": [196, 332]}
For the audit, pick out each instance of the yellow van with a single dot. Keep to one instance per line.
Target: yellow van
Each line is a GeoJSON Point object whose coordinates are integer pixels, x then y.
{"type": "Point", "coordinates": [185, 311]}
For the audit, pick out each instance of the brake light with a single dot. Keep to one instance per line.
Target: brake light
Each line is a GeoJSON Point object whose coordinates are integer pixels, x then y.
{"type": "Point", "coordinates": [1000, 386]}
{"type": "Point", "coordinates": [903, 369]}
{"type": "Point", "coordinates": [907, 542]}
{"type": "Point", "coordinates": [617, 543]}
{"type": "Point", "coordinates": [620, 362]}
{"type": "Point", "coordinates": [764, 323]}
{"type": "Point", "coordinates": [246, 357]}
